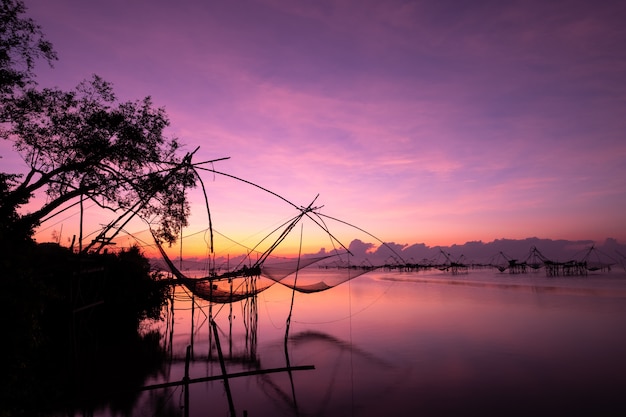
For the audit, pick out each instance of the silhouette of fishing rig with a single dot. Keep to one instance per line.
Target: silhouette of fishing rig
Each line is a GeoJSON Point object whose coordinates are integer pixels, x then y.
{"type": "Point", "coordinates": [590, 260]}
{"type": "Point", "coordinates": [255, 272]}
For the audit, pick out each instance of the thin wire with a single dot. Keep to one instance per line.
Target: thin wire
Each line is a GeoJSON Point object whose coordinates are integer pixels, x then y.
{"type": "Point", "coordinates": [267, 311]}
{"type": "Point", "coordinates": [391, 284]}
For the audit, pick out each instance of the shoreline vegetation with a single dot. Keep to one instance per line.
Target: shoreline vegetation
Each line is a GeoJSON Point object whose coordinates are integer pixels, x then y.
{"type": "Point", "coordinates": [75, 327]}
{"type": "Point", "coordinates": [73, 319]}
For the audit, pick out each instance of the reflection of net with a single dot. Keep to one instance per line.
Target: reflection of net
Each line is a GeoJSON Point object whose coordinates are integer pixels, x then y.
{"type": "Point", "coordinates": [309, 279]}
{"type": "Point", "coordinates": [226, 290]}
{"type": "Point", "coordinates": [298, 274]}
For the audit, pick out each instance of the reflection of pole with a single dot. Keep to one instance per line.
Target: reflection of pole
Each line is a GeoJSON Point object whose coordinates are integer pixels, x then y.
{"type": "Point", "coordinates": [171, 321]}
{"type": "Point", "coordinates": [231, 406]}
{"type": "Point", "coordinates": [193, 304]}
{"type": "Point", "coordinates": [210, 318]}
{"type": "Point", "coordinates": [288, 323]}
{"type": "Point", "coordinates": [254, 316]}
{"type": "Point", "coordinates": [293, 292]}
{"type": "Point", "coordinates": [186, 380]}
{"type": "Point", "coordinates": [230, 321]}
{"type": "Point", "coordinates": [293, 387]}
{"type": "Point", "coordinates": [250, 319]}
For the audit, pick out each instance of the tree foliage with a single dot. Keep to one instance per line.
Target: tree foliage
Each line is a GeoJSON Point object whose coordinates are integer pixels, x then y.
{"type": "Point", "coordinates": [84, 143]}
{"type": "Point", "coordinates": [21, 44]}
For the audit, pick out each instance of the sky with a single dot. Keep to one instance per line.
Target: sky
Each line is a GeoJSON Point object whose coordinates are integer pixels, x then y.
{"type": "Point", "coordinates": [436, 122]}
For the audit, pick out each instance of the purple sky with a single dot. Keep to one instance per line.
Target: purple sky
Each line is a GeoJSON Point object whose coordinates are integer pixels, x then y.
{"type": "Point", "coordinates": [420, 121]}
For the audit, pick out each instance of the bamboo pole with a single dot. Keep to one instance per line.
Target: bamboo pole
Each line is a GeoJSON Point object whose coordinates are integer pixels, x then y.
{"type": "Point", "coordinates": [228, 376]}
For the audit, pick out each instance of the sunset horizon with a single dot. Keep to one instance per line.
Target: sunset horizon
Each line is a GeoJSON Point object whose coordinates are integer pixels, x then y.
{"type": "Point", "coordinates": [417, 122]}
{"type": "Point", "coordinates": [320, 208]}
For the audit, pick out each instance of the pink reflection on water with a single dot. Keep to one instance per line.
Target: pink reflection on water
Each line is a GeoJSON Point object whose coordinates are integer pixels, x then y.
{"type": "Point", "coordinates": [430, 344]}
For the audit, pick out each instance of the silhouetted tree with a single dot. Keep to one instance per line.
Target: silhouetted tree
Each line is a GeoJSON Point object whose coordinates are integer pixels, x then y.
{"type": "Point", "coordinates": [69, 316]}
{"type": "Point", "coordinates": [83, 144]}
{"type": "Point", "coordinates": [21, 44]}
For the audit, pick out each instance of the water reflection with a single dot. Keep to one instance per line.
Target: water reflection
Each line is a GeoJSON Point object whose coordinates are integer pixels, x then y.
{"type": "Point", "coordinates": [396, 343]}
{"type": "Point", "coordinates": [313, 373]}
{"type": "Point", "coordinates": [559, 286]}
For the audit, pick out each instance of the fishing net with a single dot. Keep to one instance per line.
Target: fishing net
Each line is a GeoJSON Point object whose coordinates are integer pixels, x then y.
{"type": "Point", "coordinates": [307, 275]}
{"type": "Point", "coordinates": [300, 274]}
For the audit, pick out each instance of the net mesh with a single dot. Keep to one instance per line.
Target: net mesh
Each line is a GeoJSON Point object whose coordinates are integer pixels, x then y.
{"type": "Point", "coordinates": [305, 275]}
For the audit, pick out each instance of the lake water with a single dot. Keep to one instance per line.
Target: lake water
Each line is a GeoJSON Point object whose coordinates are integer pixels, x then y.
{"type": "Point", "coordinates": [393, 343]}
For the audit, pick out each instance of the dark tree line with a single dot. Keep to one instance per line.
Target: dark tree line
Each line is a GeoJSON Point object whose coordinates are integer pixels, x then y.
{"type": "Point", "coordinates": [71, 336]}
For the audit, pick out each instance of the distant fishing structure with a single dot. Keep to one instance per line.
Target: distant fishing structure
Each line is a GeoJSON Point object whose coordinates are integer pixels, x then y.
{"type": "Point", "coordinates": [592, 260]}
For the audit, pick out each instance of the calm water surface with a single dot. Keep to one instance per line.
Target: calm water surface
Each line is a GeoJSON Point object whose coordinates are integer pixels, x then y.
{"type": "Point", "coordinates": [482, 343]}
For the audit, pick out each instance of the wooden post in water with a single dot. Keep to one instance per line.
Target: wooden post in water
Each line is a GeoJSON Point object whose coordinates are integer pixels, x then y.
{"type": "Point", "coordinates": [231, 406]}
